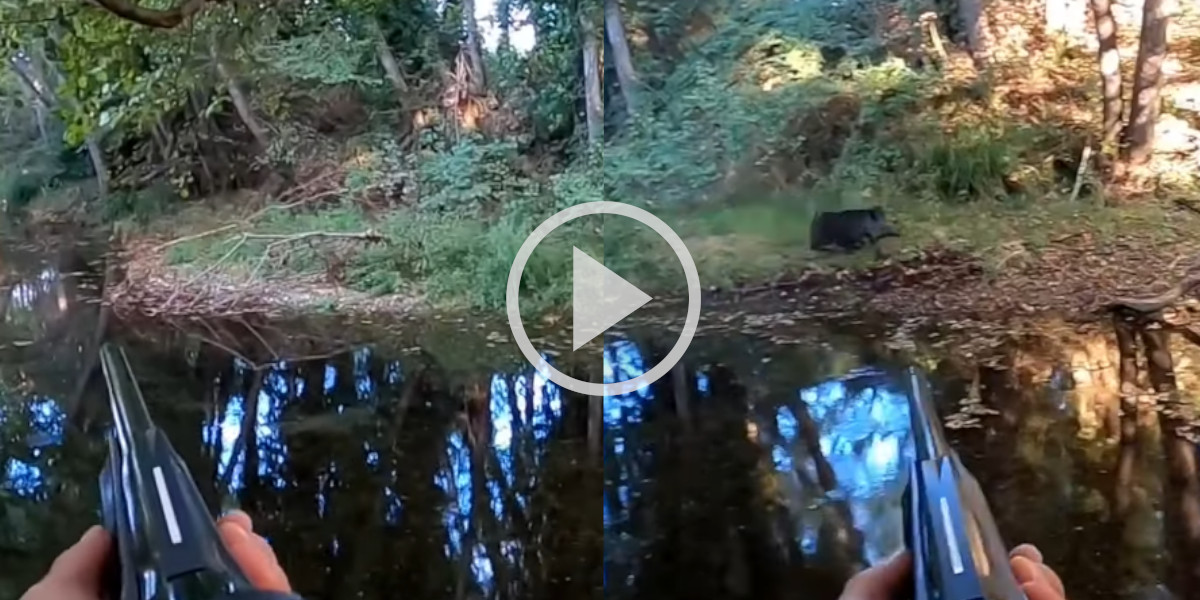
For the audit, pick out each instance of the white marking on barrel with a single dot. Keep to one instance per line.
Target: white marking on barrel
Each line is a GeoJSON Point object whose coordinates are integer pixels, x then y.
{"type": "Point", "coordinates": [168, 508]}
{"type": "Point", "coordinates": [956, 562]}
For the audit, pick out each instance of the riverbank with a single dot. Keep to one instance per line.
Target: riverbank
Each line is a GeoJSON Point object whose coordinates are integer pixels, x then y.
{"type": "Point", "coordinates": [983, 262]}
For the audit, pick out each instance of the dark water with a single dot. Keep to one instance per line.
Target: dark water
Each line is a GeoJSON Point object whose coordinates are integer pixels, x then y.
{"type": "Point", "coordinates": [762, 468]}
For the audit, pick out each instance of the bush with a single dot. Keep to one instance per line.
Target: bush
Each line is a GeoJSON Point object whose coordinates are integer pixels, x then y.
{"type": "Point", "coordinates": [474, 177]}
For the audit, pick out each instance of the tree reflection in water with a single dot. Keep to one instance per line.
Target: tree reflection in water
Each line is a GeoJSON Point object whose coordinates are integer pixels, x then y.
{"type": "Point", "coordinates": [377, 474]}
{"type": "Point", "coordinates": [766, 491]}
{"type": "Point", "coordinates": [371, 475]}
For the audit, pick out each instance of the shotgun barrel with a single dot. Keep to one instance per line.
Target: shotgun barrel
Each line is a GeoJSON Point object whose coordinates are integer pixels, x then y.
{"type": "Point", "coordinates": [957, 550]}
{"type": "Point", "coordinates": [167, 545]}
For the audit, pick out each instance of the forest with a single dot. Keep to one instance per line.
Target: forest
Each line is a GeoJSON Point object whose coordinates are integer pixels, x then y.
{"type": "Point", "coordinates": [362, 149]}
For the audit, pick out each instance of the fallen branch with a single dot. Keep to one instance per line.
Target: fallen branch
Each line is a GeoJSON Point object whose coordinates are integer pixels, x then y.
{"type": "Point", "coordinates": [287, 238]}
{"type": "Point", "coordinates": [1158, 302]}
{"type": "Point", "coordinates": [190, 238]}
{"type": "Point", "coordinates": [369, 236]}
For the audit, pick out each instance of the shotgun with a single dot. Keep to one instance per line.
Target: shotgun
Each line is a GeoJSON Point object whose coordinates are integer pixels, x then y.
{"type": "Point", "coordinates": [957, 550]}
{"type": "Point", "coordinates": [167, 545]}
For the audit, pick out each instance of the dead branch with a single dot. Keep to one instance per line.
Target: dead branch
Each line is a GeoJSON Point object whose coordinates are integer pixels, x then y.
{"type": "Point", "coordinates": [287, 238]}
{"type": "Point", "coordinates": [295, 196]}
{"type": "Point", "coordinates": [1156, 303]}
{"type": "Point", "coordinates": [369, 236]}
{"type": "Point", "coordinates": [190, 238]}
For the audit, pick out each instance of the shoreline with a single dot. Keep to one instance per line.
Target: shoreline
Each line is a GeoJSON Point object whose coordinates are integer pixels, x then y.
{"type": "Point", "coordinates": [1072, 278]}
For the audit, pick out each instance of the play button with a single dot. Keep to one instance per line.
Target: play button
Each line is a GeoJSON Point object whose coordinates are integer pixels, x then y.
{"type": "Point", "coordinates": [599, 299]}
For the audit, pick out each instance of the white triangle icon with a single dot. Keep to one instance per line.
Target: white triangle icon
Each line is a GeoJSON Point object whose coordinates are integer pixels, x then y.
{"type": "Point", "coordinates": [599, 299]}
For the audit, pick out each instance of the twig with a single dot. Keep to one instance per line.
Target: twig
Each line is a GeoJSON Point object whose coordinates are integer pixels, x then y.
{"type": "Point", "coordinates": [285, 238]}
{"type": "Point", "coordinates": [241, 242]}
{"type": "Point", "coordinates": [189, 238]}
{"type": "Point", "coordinates": [254, 332]}
{"type": "Point", "coordinates": [1079, 173]}
{"type": "Point", "coordinates": [282, 239]}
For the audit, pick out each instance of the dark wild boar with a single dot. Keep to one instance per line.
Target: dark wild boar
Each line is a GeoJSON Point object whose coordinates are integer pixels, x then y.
{"type": "Point", "coordinates": [849, 230]}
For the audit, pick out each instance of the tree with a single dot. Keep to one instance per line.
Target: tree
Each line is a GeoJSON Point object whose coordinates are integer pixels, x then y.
{"type": "Point", "coordinates": [237, 94]}
{"type": "Point", "coordinates": [593, 88]}
{"type": "Point", "coordinates": [474, 49]}
{"type": "Point", "coordinates": [626, 75]}
{"type": "Point", "coordinates": [1110, 67]}
{"type": "Point", "coordinates": [975, 19]}
{"type": "Point", "coordinates": [1138, 136]}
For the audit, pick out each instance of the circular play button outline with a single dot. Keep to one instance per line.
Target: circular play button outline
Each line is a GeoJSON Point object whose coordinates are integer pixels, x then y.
{"type": "Point", "coordinates": [690, 324]}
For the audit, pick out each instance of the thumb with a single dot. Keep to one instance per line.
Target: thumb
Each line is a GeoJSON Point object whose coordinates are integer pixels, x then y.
{"type": "Point", "coordinates": [880, 582]}
{"type": "Point", "coordinates": [81, 567]}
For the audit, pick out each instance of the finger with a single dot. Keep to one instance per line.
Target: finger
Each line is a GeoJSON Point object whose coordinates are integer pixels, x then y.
{"type": "Point", "coordinates": [240, 518]}
{"type": "Point", "coordinates": [1040, 590]}
{"type": "Point", "coordinates": [81, 567]}
{"type": "Point", "coordinates": [259, 564]}
{"type": "Point", "coordinates": [264, 546]}
{"type": "Point", "coordinates": [1027, 571]}
{"type": "Point", "coordinates": [881, 581]}
{"type": "Point", "coordinates": [1028, 551]}
{"type": "Point", "coordinates": [1054, 580]}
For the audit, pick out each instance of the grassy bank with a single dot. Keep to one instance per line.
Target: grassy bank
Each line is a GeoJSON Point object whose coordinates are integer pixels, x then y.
{"type": "Point", "coordinates": [463, 263]}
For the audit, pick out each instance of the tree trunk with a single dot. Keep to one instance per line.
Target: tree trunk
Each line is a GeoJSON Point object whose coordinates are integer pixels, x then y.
{"type": "Point", "coordinates": [622, 59]}
{"type": "Point", "coordinates": [504, 21]}
{"type": "Point", "coordinates": [1110, 67]}
{"type": "Point", "coordinates": [1138, 142]}
{"type": "Point", "coordinates": [43, 79]}
{"type": "Point", "coordinates": [388, 60]}
{"type": "Point", "coordinates": [974, 21]}
{"type": "Point", "coordinates": [593, 89]}
{"type": "Point", "coordinates": [96, 153]}
{"type": "Point", "coordinates": [240, 102]}
{"type": "Point", "coordinates": [35, 102]}
{"type": "Point", "coordinates": [474, 49]}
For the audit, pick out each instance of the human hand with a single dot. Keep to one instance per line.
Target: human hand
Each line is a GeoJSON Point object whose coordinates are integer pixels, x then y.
{"type": "Point", "coordinates": [77, 574]}
{"type": "Point", "coordinates": [1038, 581]}
{"type": "Point", "coordinates": [252, 553]}
{"type": "Point", "coordinates": [884, 581]}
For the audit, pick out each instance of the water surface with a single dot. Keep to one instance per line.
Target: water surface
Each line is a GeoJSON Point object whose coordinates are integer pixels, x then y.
{"type": "Point", "coordinates": [770, 464]}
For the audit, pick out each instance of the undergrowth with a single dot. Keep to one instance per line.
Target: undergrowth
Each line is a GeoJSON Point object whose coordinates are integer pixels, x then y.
{"type": "Point", "coordinates": [743, 142]}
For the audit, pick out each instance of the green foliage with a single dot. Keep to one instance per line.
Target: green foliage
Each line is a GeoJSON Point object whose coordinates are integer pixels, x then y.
{"type": "Point", "coordinates": [326, 57]}
{"type": "Point", "coordinates": [473, 177]}
{"type": "Point", "coordinates": [719, 109]}
{"type": "Point", "coordinates": [967, 164]}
